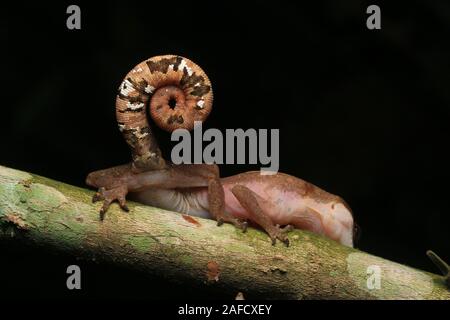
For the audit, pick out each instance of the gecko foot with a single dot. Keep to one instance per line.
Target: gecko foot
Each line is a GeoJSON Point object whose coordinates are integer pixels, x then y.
{"type": "Point", "coordinates": [280, 233]}
{"type": "Point", "coordinates": [108, 196]}
{"type": "Point", "coordinates": [240, 224]}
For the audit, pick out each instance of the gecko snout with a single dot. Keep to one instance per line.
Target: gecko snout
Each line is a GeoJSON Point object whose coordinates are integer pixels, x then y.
{"type": "Point", "coordinates": [343, 216]}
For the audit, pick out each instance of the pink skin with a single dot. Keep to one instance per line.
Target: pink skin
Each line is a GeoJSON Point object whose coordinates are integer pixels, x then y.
{"type": "Point", "coordinates": [331, 218]}
{"type": "Point", "coordinates": [282, 199]}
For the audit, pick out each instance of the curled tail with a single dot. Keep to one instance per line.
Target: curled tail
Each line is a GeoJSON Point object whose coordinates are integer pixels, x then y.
{"type": "Point", "coordinates": [178, 93]}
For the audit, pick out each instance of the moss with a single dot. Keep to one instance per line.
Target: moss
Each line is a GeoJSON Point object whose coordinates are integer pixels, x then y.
{"type": "Point", "coordinates": [68, 190]}
{"type": "Point", "coordinates": [39, 197]}
{"type": "Point", "coordinates": [141, 243]}
{"type": "Point", "coordinates": [35, 201]}
{"type": "Point", "coordinates": [186, 259]}
{"type": "Point", "coordinates": [13, 174]}
{"type": "Point", "coordinates": [334, 273]}
{"type": "Point", "coordinates": [50, 213]}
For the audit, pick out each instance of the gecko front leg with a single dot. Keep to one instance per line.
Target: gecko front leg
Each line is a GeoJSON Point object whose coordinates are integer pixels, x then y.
{"type": "Point", "coordinates": [112, 186]}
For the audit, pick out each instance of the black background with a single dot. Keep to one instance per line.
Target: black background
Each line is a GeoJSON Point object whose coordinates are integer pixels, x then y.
{"type": "Point", "coordinates": [363, 114]}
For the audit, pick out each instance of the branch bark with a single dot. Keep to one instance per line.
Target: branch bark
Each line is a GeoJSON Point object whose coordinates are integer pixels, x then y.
{"type": "Point", "coordinates": [42, 212]}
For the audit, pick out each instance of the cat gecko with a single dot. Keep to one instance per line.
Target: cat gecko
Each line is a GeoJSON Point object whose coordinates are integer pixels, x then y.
{"type": "Point", "coordinates": [178, 93]}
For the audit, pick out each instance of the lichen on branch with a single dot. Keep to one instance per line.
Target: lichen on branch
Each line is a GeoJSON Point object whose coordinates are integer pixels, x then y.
{"type": "Point", "coordinates": [38, 211]}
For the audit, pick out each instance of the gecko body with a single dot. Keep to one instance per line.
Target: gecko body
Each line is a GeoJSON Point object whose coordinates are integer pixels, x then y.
{"type": "Point", "coordinates": [270, 201]}
{"type": "Point", "coordinates": [178, 93]}
{"type": "Point", "coordinates": [286, 199]}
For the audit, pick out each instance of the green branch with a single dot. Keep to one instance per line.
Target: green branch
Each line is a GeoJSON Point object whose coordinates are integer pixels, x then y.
{"type": "Point", "coordinates": [41, 212]}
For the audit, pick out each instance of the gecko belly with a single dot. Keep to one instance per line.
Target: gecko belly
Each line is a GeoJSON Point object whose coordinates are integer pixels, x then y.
{"type": "Point", "coordinates": [284, 199]}
{"type": "Point", "coordinates": [191, 203]}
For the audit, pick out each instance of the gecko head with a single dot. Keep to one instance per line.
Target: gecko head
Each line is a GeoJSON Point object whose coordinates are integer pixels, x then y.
{"type": "Point", "coordinates": [341, 223]}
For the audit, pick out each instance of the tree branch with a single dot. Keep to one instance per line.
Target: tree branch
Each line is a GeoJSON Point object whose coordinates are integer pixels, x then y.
{"type": "Point", "coordinates": [42, 212]}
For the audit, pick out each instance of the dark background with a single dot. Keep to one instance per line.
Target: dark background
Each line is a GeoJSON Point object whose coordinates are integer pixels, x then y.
{"type": "Point", "coordinates": [363, 114]}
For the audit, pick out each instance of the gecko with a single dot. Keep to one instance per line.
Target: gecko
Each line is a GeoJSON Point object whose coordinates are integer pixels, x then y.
{"type": "Point", "coordinates": [178, 93]}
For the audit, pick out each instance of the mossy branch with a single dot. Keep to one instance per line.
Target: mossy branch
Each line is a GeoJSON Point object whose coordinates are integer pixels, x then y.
{"type": "Point", "coordinates": [42, 212]}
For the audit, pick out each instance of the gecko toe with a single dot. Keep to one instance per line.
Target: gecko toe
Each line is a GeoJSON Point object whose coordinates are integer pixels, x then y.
{"type": "Point", "coordinates": [282, 234]}
{"type": "Point", "coordinates": [240, 224]}
{"type": "Point", "coordinates": [274, 240]}
{"type": "Point", "coordinates": [286, 241]}
{"type": "Point", "coordinates": [99, 195]}
{"type": "Point", "coordinates": [109, 196]}
{"type": "Point", "coordinates": [102, 214]}
{"type": "Point", "coordinates": [123, 204]}
{"type": "Point", "coordinates": [276, 232]}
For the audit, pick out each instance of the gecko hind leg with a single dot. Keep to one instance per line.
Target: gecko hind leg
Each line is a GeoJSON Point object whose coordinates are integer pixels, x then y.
{"type": "Point", "coordinates": [208, 175]}
{"type": "Point", "coordinates": [251, 202]}
{"type": "Point", "coordinates": [109, 196]}
{"type": "Point", "coordinates": [217, 203]}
